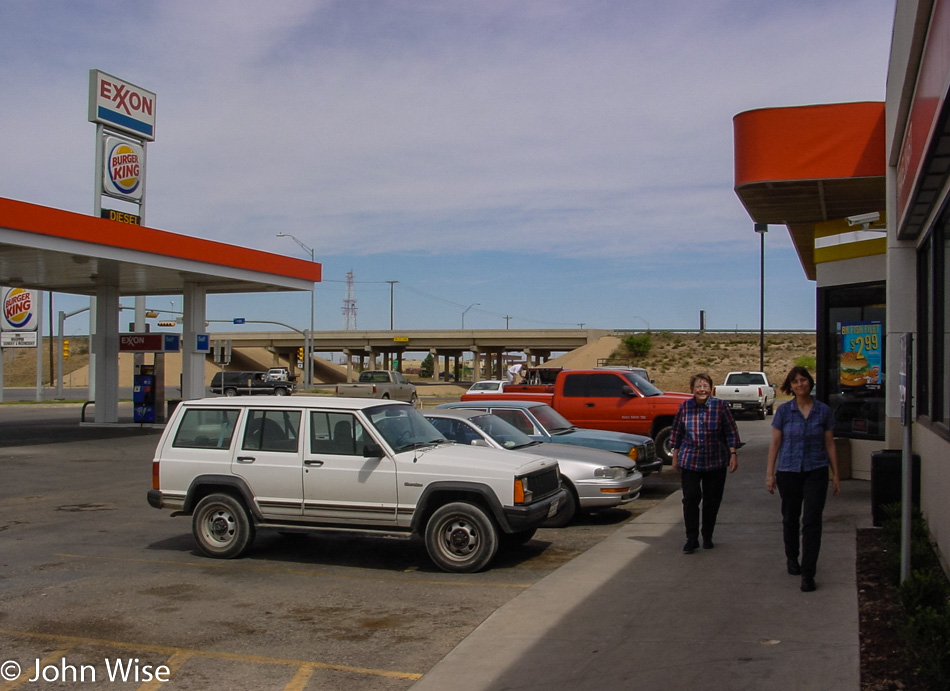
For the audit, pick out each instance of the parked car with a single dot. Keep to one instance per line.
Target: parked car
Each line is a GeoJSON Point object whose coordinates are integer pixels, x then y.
{"type": "Point", "coordinates": [279, 374]}
{"type": "Point", "coordinates": [541, 422]}
{"type": "Point", "coordinates": [487, 386]}
{"type": "Point", "coordinates": [357, 466]}
{"type": "Point", "coordinates": [594, 479]}
{"type": "Point", "coordinates": [607, 399]}
{"type": "Point", "coordinates": [233, 383]}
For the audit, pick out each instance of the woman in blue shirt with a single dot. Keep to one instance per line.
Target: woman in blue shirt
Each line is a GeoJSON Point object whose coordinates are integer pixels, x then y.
{"type": "Point", "coordinates": [803, 446]}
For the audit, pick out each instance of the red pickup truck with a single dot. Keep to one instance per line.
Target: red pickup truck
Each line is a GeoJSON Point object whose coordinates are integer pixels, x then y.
{"type": "Point", "coordinates": [617, 400]}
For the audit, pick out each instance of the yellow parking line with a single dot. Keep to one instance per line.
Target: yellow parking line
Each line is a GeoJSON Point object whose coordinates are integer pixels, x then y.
{"type": "Point", "coordinates": [53, 658]}
{"type": "Point", "coordinates": [299, 572]}
{"type": "Point", "coordinates": [299, 682]}
{"type": "Point", "coordinates": [73, 641]}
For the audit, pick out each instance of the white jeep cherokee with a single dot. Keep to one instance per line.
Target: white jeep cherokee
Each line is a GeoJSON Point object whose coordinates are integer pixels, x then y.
{"type": "Point", "coordinates": [338, 464]}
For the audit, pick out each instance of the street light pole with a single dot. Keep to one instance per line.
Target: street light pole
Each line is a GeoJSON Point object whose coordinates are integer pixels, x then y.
{"type": "Point", "coordinates": [466, 310]}
{"type": "Point", "coordinates": [392, 285]}
{"type": "Point", "coordinates": [761, 229]}
{"type": "Point", "coordinates": [308, 339]}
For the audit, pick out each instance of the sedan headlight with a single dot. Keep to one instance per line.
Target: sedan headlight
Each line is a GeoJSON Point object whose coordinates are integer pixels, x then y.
{"type": "Point", "coordinates": [614, 473]}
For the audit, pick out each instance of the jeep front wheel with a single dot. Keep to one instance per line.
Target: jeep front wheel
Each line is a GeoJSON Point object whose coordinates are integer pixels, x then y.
{"type": "Point", "coordinates": [461, 538]}
{"type": "Point", "coordinates": [222, 526]}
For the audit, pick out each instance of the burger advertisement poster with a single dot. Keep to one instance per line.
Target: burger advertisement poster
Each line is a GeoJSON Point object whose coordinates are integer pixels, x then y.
{"type": "Point", "coordinates": [18, 324]}
{"type": "Point", "coordinates": [859, 363]}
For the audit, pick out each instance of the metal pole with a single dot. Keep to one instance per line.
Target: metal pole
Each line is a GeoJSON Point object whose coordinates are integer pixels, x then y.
{"type": "Point", "coordinates": [392, 285]}
{"type": "Point", "coordinates": [761, 229]}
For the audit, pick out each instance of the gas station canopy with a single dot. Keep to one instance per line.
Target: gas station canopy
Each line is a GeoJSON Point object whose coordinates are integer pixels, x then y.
{"type": "Point", "coordinates": [49, 249]}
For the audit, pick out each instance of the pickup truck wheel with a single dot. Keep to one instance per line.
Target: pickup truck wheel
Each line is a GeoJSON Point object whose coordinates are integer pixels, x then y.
{"type": "Point", "coordinates": [222, 526]}
{"type": "Point", "coordinates": [662, 441]}
{"type": "Point", "coordinates": [461, 538]}
{"type": "Point", "coordinates": [280, 391]}
{"type": "Point", "coordinates": [771, 409]}
{"type": "Point", "coordinates": [760, 413]}
{"type": "Point", "coordinates": [230, 392]}
{"type": "Point", "coordinates": [385, 396]}
{"type": "Point", "coordinates": [565, 511]}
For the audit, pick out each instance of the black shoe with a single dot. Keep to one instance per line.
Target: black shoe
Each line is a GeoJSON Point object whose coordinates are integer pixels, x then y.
{"type": "Point", "coordinates": [690, 546]}
{"type": "Point", "coordinates": [794, 569]}
{"type": "Point", "coordinates": [808, 584]}
{"type": "Point", "coordinates": [708, 543]}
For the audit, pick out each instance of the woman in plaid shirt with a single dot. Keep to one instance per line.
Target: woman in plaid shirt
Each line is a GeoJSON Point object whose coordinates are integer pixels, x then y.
{"type": "Point", "coordinates": [704, 440]}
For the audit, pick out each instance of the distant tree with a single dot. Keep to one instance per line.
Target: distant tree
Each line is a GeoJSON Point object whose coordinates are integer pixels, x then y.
{"type": "Point", "coordinates": [806, 361]}
{"type": "Point", "coordinates": [638, 345]}
{"type": "Point", "coordinates": [425, 369]}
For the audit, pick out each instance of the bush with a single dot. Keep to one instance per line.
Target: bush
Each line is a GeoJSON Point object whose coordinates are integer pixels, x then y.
{"type": "Point", "coordinates": [806, 361]}
{"type": "Point", "coordinates": [922, 589]}
{"type": "Point", "coordinates": [638, 345]}
{"type": "Point", "coordinates": [926, 633]}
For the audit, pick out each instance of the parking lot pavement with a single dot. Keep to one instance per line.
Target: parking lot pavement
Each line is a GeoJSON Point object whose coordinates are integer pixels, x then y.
{"type": "Point", "coordinates": [93, 578]}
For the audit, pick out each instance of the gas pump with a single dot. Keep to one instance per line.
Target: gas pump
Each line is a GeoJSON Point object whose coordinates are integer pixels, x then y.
{"type": "Point", "coordinates": [143, 394]}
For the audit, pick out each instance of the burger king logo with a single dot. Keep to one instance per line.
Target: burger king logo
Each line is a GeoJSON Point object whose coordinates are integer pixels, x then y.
{"type": "Point", "coordinates": [18, 309]}
{"type": "Point", "coordinates": [123, 168]}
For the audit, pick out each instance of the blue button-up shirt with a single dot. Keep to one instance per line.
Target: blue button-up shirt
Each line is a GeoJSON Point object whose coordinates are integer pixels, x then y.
{"type": "Point", "coordinates": [803, 439]}
{"type": "Point", "coordinates": [703, 434]}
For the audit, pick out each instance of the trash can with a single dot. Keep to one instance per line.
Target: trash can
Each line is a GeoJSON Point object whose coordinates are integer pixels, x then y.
{"type": "Point", "coordinates": [887, 482]}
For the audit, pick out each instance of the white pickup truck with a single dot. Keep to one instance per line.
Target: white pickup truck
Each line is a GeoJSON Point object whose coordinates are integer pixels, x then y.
{"type": "Point", "coordinates": [748, 392]}
{"type": "Point", "coordinates": [383, 384]}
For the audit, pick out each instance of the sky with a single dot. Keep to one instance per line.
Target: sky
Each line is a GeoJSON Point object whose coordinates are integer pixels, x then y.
{"type": "Point", "coordinates": [511, 163]}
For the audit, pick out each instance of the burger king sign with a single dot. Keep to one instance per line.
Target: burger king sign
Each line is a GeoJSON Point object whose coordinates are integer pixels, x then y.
{"type": "Point", "coordinates": [124, 169]}
{"type": "Point", "coordinates": [18, 309]}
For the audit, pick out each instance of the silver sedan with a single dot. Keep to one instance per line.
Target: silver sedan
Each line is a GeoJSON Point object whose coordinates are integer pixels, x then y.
{"type": "Point", "coordinates": [594, 479]}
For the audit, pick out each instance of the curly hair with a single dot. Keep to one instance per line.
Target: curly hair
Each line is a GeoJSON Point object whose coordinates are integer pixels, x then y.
{"type": "Point", "coordinates": [796, 371]}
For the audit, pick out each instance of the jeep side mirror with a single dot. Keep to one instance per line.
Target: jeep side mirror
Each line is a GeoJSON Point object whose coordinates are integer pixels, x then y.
{"type": "Point", "coordinates": [372, 450]}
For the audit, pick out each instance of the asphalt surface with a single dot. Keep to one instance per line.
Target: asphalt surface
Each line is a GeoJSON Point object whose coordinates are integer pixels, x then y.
{"type": "Point", "coordinates": [635, 612]}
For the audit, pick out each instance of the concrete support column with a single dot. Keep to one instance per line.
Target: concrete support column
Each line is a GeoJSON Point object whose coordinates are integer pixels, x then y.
{"type": "Point", "coordinates": [476, 364]}
{"type": "Point", "coordinates": [349, 364]}
{"type": "Point", "coordinates": [192, 361]}
{"type": "Point", "coordinates": [105, 344]}
{"type": "Point", "coordinates": [435, 364]}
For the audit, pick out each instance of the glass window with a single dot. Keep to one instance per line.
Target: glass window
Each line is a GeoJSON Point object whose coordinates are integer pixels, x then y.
{"type": "Point", "coordinates": [606, 385]}
{"type": "Point", "coordinates": [206, 429]}
{"type": "Point", "coordinates": [933, 322]}
{"type": "Point", "coordinates": [575, 385]}
{"type": "Point", "coordinates": [271, 430]}
{"type": "Point", "coordinates": [336, 433]}
{"type": "Point", "coordinates": [851, 320]}
{"type": "Point", "coordinates": [516, 418]}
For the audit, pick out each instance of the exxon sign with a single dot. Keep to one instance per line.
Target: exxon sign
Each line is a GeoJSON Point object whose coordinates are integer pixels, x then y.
{"type": "Point", "coordinates": [123, 106]}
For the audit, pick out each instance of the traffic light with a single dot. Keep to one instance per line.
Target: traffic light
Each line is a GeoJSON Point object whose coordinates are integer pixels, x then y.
{"type": "Point", "coordinates": [65, 348]}
{"type": "Point", "coordinates": [300, 354]}
{"type": "Point", "coordinates": [168, 323]}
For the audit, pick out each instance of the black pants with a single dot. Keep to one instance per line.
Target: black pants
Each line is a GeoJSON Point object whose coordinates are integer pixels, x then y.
{"type": "Point", "coordinates": [706, 487]}
{"type": "Point", "coordinates": [803, 502]}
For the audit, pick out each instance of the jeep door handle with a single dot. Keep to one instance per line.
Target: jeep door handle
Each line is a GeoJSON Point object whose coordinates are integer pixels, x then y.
{"type": "Point", "coordinates": [246, 459]}
{"type": "Point", "coordinates": [313, 462]}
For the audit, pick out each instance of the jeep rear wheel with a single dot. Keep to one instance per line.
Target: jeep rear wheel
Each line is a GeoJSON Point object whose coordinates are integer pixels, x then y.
{"type": "Point", "coordinates": [222, 526]}
{"type": "Point", "coordinates": [230, 392]}
{"type": "Point", "coordinates": [461, 538]}
{"type": "Point", "coordinates": [280, 391]}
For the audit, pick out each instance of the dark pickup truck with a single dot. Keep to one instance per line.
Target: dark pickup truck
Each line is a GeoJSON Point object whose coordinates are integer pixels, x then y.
{"type": "Point", "coordinates": [248, 384]}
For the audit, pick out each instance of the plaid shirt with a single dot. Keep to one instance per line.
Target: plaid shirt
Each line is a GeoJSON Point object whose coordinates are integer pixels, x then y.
{"type": "Point", "coordinates": [803, 439]}
{"type": "Point", "coordinates": [703, 434]}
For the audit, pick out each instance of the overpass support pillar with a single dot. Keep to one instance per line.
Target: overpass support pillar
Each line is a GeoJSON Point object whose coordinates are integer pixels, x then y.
{"type": "Point", "coordinates": [476, 364]}
{"type": "Point", "coordinates": [435, 364]}
{"type": "Point", "coordinates": [349, 364]}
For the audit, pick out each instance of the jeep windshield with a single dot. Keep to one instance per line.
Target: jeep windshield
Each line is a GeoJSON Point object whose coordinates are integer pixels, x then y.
{"type": "Point", "coordinates": [403, 427]}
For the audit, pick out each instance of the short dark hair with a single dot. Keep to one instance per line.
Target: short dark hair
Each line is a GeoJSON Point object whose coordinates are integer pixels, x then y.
{"type": "Point", "coordinates": [696, 377]}
{"type": "Point", "coordinates": [796, 371]}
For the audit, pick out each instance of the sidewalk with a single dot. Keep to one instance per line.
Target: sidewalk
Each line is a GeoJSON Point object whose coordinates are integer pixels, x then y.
{"type": "Point", "coordinates": [635, 612]}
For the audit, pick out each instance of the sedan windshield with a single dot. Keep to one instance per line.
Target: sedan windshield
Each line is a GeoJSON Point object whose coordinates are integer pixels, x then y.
{"type": "Point", "coordinates": [551, 420]}
{"type": "Point", "coordinates": [509, 436]}
{"type": "Point", "coordinates": [403, 427]}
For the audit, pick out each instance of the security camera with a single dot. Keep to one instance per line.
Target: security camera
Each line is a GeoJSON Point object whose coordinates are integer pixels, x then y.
{"type": "Point", "coordinates": [864, 219]}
